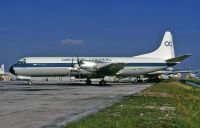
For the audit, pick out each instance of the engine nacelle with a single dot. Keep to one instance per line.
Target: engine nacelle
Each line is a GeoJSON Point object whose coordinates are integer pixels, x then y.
{"type": "Point", "coordinates": [93, 65]}
{"type": "Point", "coordinates": [89, 65]}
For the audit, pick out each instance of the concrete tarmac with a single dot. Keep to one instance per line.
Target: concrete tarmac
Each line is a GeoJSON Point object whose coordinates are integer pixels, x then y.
{"type": "Point", "coordinates": [55, 104]}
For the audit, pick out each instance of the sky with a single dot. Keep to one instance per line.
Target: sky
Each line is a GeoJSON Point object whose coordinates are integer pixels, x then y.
{"type": "Point", "coordinates": [97, 28]}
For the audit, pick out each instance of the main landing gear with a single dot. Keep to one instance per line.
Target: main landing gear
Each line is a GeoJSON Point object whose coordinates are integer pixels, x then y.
{"type": "Point", "coordinates": [30, 82]}
{"type": "Point", "coordinates": [88, 81]}
{"type": "Point", "coordinates": [101, 82]}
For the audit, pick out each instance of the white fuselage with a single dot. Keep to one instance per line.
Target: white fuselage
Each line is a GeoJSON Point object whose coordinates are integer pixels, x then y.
{"type": "Point", "coordinates": [61, 66]}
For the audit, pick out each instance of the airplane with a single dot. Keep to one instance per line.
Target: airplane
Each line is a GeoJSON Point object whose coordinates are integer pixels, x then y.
{"type": "Point", "coordinates": [99, 67]}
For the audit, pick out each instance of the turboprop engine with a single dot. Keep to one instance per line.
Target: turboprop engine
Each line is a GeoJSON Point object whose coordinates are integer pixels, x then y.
{"type": "Point", "coordinates": [87, 66]}
{"type": "Point", "coordinates": [92, 65]}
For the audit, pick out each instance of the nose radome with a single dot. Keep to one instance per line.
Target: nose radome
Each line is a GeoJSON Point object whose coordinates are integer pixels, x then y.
{"type": "Point", "coordinates": [12, 70]}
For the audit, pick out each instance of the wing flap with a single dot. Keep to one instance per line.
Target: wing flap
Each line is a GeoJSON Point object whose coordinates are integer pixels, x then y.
{"type": "Point", "coordinates": [110, 69]}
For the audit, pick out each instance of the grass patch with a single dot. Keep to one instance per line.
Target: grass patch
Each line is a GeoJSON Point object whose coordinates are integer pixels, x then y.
{"type": "Point", "coordinates": [166, 105]}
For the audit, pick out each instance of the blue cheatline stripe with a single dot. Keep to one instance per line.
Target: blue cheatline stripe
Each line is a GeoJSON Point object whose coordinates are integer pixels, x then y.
{"type": "Point", "coordinates": [69, 64]}
{"type": "Point", "coordinates": [44, 65]}
{"type": "Point", "coordinates": [149, 64]}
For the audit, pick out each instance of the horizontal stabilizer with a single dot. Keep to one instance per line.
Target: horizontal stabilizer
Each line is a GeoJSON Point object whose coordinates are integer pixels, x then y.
{"type": "Point", "coordinates": [178, 59]}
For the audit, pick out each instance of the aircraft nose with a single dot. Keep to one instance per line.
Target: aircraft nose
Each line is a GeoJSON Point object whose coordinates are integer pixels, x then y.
{"type": "Point", "coordinates": [12, 70]}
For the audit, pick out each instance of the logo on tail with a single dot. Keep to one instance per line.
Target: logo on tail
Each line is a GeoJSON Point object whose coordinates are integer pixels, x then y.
{"type": "Point", "coordinates": [168, 43]}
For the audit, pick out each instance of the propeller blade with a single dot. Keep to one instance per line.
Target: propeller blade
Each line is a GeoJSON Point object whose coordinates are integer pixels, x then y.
{"type": "Point", "coordinates": [79, 61]}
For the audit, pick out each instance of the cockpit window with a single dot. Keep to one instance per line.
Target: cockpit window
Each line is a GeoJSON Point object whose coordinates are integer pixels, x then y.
{"type": "Point", "coordinates": [22, 61]}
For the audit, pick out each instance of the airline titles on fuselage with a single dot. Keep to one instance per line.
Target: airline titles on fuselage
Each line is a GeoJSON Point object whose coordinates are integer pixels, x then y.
{"type": "Point", "coordinates": [87, 59]}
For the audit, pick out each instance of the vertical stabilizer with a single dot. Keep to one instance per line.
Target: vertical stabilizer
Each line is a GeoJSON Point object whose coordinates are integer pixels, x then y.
{"type": "Point", "coordinates": [166, 49]}
{"type": "Point", "coordinates": [2, 69]}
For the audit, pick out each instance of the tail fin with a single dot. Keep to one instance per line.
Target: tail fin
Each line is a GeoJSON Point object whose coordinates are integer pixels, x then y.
{"type": "Point", "coordinates": [2, 69]}
{"type": "Point", "coordinates": [166, 49]}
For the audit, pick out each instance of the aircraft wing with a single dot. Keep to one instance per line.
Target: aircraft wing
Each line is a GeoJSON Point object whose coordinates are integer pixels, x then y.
{"type": "Point", "coordinates": [109, 69]}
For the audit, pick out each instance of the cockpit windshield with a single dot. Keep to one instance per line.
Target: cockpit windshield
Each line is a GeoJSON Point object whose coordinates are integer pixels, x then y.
{"type": "Point", "coordinates": [22, 61]}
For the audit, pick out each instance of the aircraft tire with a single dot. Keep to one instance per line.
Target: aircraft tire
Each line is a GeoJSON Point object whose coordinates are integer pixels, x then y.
{"type": "Point", "coordinates": [102, 83]}
{"type": "Point", "coordinates": [88, 82]}
{"type": "Point", "coordinates": [30, 83]}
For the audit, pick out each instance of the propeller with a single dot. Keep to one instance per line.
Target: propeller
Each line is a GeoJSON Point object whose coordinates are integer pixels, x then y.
{"type": "Point", "coordinates": [79, 62]}
{"type": "Point", "coordinates": [76, 65]}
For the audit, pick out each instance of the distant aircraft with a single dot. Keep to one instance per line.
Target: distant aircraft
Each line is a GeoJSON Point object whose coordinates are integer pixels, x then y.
{"type": "Point", "coordinates": [170, 73]}
{"type": "Point", "coordinates": [4, 76]}
{"type": "Point", "coordinates": [2, 69]}
{"type": "Point", "coordinates": [99, 67]}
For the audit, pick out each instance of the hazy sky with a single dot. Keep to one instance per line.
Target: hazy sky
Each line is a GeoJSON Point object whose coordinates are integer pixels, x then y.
{"type": "Point", "coordinates": [97, 28]}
